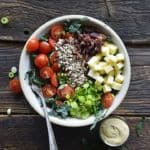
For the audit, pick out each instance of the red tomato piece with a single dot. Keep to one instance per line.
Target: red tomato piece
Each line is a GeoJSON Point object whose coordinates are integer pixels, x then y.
{"type": "Point", "coordinates": [15, 86]}
{"type": "Point", "coordinates": [107, 100]}
{"type": "Point", "coordinates": [48, 91]}
{"type": "Point", "coordinates": [33, 45]}
{"type": "Point", "coordinates": [41, 60]}
{"type": "Point", "coordinates": [52, 43]}
{"type": "Point", "coordinates": [67, 90]}
{"type": "Point", "coordinates": [53, 57]}
{"type": "Point", "coordinates": [45, 47]}
{"type": "Point", "coordinates": [54, 80]}
{"type": "Point", "coordinates": [55, 67]}
{"type": "Point", "coordinates": [46, 72]}
{"type": "Point", "coordinates": [68, 35]}
{"type": "Point", "coordinates": [56, 31]}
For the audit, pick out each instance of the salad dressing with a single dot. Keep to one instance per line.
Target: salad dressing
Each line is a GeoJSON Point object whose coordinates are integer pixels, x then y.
{"type": "Point", "coordinates": [114, 131]}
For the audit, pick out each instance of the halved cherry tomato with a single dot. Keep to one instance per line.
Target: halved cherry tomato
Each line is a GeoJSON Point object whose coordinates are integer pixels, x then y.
{"type": "Point", "coordinates": [46, 72]}
{"type": "Point", "coordinates": [67, 90]}
{"type": "Point", "coordinates": [56, 31]}
{"type": "Point", "coordinates": [53, 57]}
{"type": "Point", "coordinates": [68, 35]}
{"type": "Point", "coordinates": [45, 47]}
{"type": "Point", "coordinates": [41, 60]}
{"type": "Point", "coordinates": [52, 43]}
{"type": "Point", "coordinates": [55, 67]}
{"type": "Point", "coordinates": [107, 100]}
{"type": "Point", "coordinates": [48, 91]}
{"type": "Point", "coordinates": [54, 80]}
{"type": "Point", "coordinates": [14, 86]}
{"type": "Point", "coordinates": [33, 45]}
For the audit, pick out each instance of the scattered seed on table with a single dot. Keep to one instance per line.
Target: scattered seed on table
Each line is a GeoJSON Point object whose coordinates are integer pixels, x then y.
{"type": "Point", "coordinates": [9, 111]}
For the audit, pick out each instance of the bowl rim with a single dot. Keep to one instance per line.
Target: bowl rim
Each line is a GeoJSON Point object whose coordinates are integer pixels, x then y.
{"type": "Point", "coordinates": [71, 122]}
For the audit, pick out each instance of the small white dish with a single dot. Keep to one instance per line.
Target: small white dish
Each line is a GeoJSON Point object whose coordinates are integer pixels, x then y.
{"type": "Point", "coordinates": [114, 131]}
{"type": "Point", "coordinates": [24, 66]}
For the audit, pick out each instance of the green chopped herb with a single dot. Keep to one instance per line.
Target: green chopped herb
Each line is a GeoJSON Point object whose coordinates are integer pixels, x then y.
{"type": "Point", "coordinates": [60, 111]}
{"type": "Point", "coordinates": [86, 101]}
{"type": "Point", "coordinates": [73, 26]}
{"type": "Point", "coordinates": [34, 78]}
{"type": "Point", "coordinates": [14, 69]}
{"type": "Point", "coordinates": [11, 75]}
{"type": "Point", "coordinates": [4, 20]}
{"type": "Point", "coordinates": [140, 126]}
{"type": "Point", "coordinates": [63, 79]}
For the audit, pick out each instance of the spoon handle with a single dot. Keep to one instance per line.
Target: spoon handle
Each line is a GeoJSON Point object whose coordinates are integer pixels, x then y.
{"type": "Point", "coordinates": [52, 140]}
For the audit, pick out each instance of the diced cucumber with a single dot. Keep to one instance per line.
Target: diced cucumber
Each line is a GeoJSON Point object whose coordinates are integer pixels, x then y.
{"type": "Point", "coordinates": [113, 49]}
{"type": "Point", "coordinates": [112, 73]}
{"type": "Point", "coordinates": [106, 88]}
{"type": "Point", "coordinates": [108, 69]}
{"type": "Point", "coordinates": [92, 74]}
{"type": "Point", "coordinates": [120, 57]}
{"type": "Point", "coordinates": [116, 86]}
{"type": "Point", "coordinates": [100, 66]}
{"type": "Point", "coordinates": [93, 61]}
{"type": "Point", "coordinates": [119, 66]}
{"type": "Point", "coordinates": [105, 50]}
{"type": "Point", "coordinates": [119, 78]}
{"type": "Point", "coordinates": [109, 79]}
{"type": "Point", "coordinates": [99, 79]}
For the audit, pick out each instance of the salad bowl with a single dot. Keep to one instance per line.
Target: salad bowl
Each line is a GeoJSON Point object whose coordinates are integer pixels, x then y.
{"type": "Point", "coordinates": [24, 67]}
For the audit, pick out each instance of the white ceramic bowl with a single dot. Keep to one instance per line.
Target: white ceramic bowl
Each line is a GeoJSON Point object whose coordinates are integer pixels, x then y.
{"type": "Point", "coordinates": [24, 66]}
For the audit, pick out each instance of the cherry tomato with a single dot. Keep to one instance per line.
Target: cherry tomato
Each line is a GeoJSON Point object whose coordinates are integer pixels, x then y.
{"type": "Point", "coordinates": [67, 90]}
{"type": "Point", "coordinates": [68, 35]}
{"type": "Point", "coordinates": [46, 72]}
{"type": "Point", "coordinates": [14, 86]}
{"type": "Point", "coordinates": [56, 32]}
{"type": "Point", "coordinates": [45, 47]}
{"type": "Point", "coordinates": [48, 91]}
{"type": "Point", "coordinates": [33, 45]}
{"type": "Point", "coordinates": [41, 60]}
{"type": "Point", "coordinates": [53, 57]}
{"type": "Point", "coordinates": [55, 67]}
{"type": "Point", "coordinates": [54, 80]}
{"type": "Point", "coordinates": [107, 100]}
{"type": "Point", "coordinates": [52, 43]}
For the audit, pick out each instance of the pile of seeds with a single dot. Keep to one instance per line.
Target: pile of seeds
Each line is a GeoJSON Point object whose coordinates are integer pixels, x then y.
{"type": "Point", "coordinates": [71, 62]}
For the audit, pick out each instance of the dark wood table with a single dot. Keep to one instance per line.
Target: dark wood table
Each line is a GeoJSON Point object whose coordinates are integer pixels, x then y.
{"type": "Point", "coordinates": [25, 129]}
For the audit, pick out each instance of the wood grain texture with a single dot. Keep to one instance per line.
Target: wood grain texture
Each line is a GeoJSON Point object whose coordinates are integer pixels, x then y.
{"type": "Point", "coordinates": [29, 133]}
{"type": "Point", "coordinates": [136, 102]}
{"type": "Point", "coordinates": [129, 18]}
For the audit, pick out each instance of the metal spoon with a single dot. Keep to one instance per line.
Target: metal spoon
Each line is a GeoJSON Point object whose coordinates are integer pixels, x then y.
{"type": "Point", "coordinates": [52, 140]}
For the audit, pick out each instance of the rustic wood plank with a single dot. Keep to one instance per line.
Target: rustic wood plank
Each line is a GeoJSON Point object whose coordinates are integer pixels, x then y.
{"type": "Point", "coordinates": [136, 102]}
{"type": "Point", "coordinates": [23, 132]}
{"type": "Point", "coordinates": [130, 19]}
